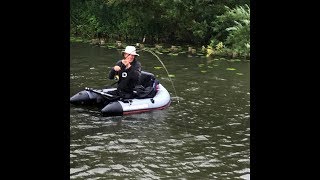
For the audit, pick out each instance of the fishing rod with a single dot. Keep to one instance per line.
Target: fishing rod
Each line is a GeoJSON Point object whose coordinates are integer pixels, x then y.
{"type": "Point", "coordinates": [144, 49]}
{"type": "Point", "coordinates": [109, 86]}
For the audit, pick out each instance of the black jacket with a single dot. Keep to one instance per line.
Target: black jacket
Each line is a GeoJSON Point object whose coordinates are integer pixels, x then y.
{"type": "Point", "coordinates": [128, 78]}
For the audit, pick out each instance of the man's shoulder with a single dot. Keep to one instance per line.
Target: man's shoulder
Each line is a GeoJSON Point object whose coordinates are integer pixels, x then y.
{"type": "Point", "coordinates": [136, 63]}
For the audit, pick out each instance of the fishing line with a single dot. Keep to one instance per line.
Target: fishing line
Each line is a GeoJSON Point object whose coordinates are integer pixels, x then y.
{"type": "Point", "coordinates": [144, 49]}
{"type": "Point", "coordinates": [165, 69]}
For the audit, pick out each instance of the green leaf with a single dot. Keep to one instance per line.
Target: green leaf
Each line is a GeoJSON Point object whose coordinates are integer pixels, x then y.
{"type": "Point", "coordinates": [230, 69]}
{"type": "Point", "coordinates": [157, 67]}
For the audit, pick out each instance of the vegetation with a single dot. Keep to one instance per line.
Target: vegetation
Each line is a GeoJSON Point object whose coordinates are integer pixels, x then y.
{"type": "Point", "coordinates": [218, 25]}
{"type": "Point", "coordinates": [233, 29]}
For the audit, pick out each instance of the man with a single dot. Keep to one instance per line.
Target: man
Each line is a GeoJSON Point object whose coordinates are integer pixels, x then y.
{"type": "Point", "coordinates": [127, 71]}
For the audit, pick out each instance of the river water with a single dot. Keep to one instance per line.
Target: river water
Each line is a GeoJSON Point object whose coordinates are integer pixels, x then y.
{"type": "Point", "coordinates": [203, 134]}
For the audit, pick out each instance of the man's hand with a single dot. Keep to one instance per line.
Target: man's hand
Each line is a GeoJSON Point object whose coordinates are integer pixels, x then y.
{"type": "Point", "coordinates": [117, 68]}
{"type": "Point", "coordinates": [126, 63]}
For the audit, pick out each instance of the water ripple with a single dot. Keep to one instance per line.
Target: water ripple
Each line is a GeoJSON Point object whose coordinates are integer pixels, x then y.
{"type": "Point", "coordinates": [203, 134]}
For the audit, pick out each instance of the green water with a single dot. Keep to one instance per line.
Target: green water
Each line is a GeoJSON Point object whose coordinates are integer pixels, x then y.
{"type": "Point", "coordinates": [204, 136]}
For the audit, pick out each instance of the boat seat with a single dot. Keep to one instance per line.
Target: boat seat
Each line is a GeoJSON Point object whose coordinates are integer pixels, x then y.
{"type": "Point", "coordinates": [147, 86]}
{"type": "Point", "coordinates": [146, 79]}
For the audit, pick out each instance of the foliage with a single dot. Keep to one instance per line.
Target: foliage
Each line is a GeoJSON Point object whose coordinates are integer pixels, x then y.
{"type": "Point", "coordinates": [195, 22]}
{"type": "Point", "coordinates": [215, 49]}
{"type": "Point", "coordinates": [235, 25]}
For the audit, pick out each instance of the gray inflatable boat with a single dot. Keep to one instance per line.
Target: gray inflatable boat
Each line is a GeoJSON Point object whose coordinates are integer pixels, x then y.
{"type": "Point", "coordinates": [160, 99]}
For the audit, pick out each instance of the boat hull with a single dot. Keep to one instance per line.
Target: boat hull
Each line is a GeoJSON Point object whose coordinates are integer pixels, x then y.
{"type": "Point", "coordinates": [123, 107]}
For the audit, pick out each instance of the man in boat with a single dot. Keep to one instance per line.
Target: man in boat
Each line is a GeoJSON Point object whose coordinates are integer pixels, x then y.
{"type": "Point", "coordinates": [127, 71]}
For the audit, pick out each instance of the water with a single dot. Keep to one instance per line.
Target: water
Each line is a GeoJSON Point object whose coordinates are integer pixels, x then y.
{"type": "Point", "coordinates": [204, 136]}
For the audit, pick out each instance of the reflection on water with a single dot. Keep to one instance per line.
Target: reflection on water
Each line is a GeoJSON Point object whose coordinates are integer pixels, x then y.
{"type": "Point", "coordinates": [205, 136]}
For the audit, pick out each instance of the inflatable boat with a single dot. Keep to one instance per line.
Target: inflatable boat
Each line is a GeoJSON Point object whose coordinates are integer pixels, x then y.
{"type": "Point", "coordinates": [156, 98]}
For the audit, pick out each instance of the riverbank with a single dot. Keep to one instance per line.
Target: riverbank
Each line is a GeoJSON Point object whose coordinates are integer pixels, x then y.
{"type": "Point", "coordinates": [171, 50]}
